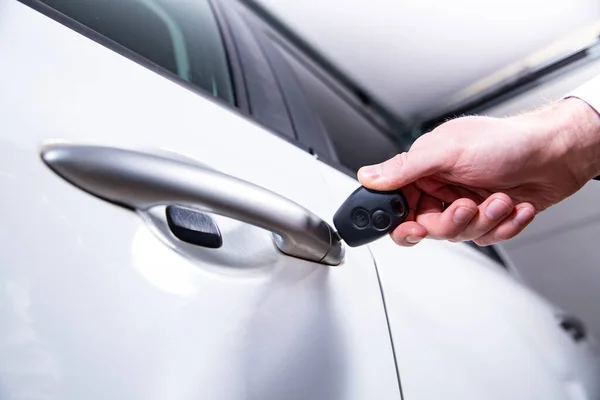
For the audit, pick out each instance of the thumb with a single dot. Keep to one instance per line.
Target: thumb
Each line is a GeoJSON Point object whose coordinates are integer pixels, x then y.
{"type": "Point", "coordinates": [399, 171]}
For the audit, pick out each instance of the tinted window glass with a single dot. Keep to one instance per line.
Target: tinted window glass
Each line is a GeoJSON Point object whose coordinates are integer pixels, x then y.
{"type": "Point", "coordinates": [355, 139]}
{"type": "Point", "coordinates": [181, 36]}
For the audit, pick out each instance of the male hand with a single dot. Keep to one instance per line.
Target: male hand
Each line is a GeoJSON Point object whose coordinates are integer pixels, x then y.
{"type": "Point", "coordinates": [493, 175]}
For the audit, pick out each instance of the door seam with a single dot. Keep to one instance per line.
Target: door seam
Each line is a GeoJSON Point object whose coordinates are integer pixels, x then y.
{"type": "Point", "coordinates": [387, 320]}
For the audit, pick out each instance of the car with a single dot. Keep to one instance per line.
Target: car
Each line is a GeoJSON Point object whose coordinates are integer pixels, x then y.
{"type": "Point", "coordinates": [169, 174]}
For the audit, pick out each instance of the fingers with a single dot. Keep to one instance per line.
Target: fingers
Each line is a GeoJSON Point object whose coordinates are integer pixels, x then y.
{"type": "Point", "coordinates": [434, 222]}
{"type": "Point", "coordinates": [398, 171]}
{"type": "Point", "coordinates": [449, 223]}
{"type": "Point", "coordinates": [493, 221]}
{"type": "Point", "coordinates": [490, 214]}
{"type": "Point", "coordinates": [519, 218]}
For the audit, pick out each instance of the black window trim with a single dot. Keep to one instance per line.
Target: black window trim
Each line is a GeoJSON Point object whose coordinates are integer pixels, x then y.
{"type": "Point", "coordinates": [284, 76]}
{"type": "Point", "coordinates": [233, 58]}
{"type": "Point", "coordinates": [230, 12]}
{"type": "Point", "coordinates": [234, 70]}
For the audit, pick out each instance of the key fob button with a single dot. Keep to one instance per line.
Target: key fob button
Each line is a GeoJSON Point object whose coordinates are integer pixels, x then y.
{"type": "Point", "coordinates": [367, 215]}
{"type": "Point", "coordinates": [381, 220]}
{"type": "Point", "coordinates": [360, 218]}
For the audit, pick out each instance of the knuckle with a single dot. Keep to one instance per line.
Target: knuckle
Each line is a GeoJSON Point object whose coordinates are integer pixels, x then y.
{"type": "Point", "coordinates": [461, 237]}
{"type": "Point", "coordinates": [456, 233]}
{"type": "Point", "coordinates": [393, 166]}
{"type": "Point", "coordinates": [399, 160]}
{"type": "Point", "coordinates": [471, 233]}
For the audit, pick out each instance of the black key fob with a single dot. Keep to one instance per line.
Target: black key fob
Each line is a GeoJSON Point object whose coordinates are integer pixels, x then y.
{"type": "Point", "coordinates": [367, 215]}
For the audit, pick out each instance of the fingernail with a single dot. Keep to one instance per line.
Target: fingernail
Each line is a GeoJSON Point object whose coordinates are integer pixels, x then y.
{"type": "Point", "coordinates": [413, 239]}
{"type": "Point", "coordinates": [463, 215]}
{"type": "Point", "coordinates": [497, 209]}
{"type": "Point", "coordinates": [524, 215]}
{"type": "Point", "coordinates": [369, 172]}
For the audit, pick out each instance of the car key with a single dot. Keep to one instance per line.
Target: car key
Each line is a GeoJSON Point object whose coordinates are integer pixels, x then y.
{"type": "Point", "coordinates": [367, 215]}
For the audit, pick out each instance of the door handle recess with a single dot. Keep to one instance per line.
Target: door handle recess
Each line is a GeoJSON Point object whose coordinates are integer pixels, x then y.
{"type": "Point", "coordinates": [139, 181]}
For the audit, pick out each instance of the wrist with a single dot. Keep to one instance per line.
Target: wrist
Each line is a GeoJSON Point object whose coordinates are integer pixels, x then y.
{"type": "Point", "coordinates": [572, 128]}
{"type": "Point", "coordinates": [584, 122]}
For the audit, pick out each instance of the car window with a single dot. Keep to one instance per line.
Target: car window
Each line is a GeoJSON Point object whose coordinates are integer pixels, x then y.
{"type": "Point", "coordinates": [180, 36]}
{"type": "Point", "coordinates": [356, 140]}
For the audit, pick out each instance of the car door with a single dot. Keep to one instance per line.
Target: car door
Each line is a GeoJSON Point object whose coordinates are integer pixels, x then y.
{"type": "Point", "coordinates": [99, 299]}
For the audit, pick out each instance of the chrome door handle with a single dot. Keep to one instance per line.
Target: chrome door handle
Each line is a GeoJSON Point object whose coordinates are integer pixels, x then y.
{"type": "Point", "coordinates": [140, 181]}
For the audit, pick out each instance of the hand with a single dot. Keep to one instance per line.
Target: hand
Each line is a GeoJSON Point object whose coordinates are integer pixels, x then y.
{"type": "Point", "coordinates": [493, 175]}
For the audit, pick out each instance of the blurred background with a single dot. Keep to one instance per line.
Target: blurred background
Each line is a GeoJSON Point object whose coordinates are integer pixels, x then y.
{"type": "Point", "coordinates": [420, 56]}
{"type": "Point", "coordinates": [428, 60]}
